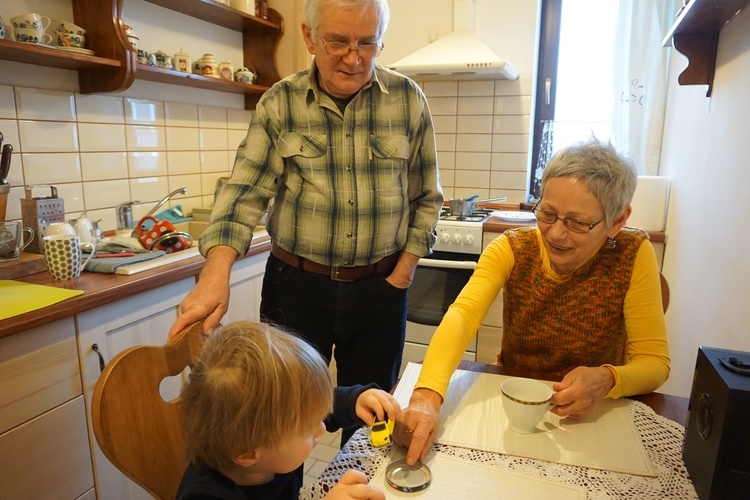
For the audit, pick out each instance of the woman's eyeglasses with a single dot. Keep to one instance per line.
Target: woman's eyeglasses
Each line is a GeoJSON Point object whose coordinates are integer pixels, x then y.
{"type": "Point", "coordinates": [574, 225]}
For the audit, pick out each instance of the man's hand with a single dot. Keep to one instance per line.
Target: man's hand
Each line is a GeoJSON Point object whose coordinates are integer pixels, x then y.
{"type": "Point", "coordinates": [418, 424]}
{"type": "Point", "coordinates": [580, 389]}
{"type": "Point", "coordinates": [209, 298]}
{"type": "Point", "coordinates": [403, 273]}
{"type": "Point", "coordinates": [353, 485]}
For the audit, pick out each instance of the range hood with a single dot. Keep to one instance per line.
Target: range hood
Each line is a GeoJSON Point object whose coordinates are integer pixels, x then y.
{"type": "Point", "coordinates": [460, 55]}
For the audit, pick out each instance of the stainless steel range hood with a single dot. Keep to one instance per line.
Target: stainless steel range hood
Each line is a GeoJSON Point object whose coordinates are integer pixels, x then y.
{"type": "Point", "coordinates": [459, 55]}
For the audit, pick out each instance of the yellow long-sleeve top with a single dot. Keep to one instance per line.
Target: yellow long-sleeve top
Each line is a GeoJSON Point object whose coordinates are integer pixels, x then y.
{"type": "Point", "coordinates": [646, 364]}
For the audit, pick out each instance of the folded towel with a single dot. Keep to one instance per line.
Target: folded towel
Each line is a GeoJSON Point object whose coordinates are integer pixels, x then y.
{"type": "Point", "coordinates": [110, 264]}
{"type": "Point", "coordinates": [173, 215]}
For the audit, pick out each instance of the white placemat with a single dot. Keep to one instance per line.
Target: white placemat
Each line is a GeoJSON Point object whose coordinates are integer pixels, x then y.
{"type": "Point", "coordinates": [473, 417]}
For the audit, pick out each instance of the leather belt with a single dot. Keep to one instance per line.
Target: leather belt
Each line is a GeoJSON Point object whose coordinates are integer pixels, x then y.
{"type": "Point", "coordinates": [383, 266]}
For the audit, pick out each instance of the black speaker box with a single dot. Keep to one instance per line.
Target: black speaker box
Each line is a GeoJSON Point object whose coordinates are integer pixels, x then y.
{"type": "Point", "coordinates": [716, 449]}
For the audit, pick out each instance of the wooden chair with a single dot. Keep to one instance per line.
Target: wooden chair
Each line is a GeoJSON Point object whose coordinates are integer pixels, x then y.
{"type": "Point", "coordinates": [664, 292]}
{"type": "Point", "coordinates": [137, 430]}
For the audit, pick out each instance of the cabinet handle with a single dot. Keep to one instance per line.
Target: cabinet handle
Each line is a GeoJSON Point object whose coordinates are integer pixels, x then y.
{"type": "Point", "coordinates": [95, 348]}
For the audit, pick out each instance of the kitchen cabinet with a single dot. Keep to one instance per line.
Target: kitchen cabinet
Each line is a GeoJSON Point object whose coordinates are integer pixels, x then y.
{"type": "Point", "coordinates": [114, 67]}
{"type": "Point", "coordinates": [490, 334]}
{"type": "Point", "coordinates": [44, 445]}
{"type": "Point", "coordinates": [142, 319]}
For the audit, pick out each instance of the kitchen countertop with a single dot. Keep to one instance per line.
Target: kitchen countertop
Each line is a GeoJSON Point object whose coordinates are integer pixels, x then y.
{"type": "Point", "coordinates": [100, 289]}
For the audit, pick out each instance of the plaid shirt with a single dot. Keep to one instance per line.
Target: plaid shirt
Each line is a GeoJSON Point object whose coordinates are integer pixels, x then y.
{"type": "Point", "coordinates": [349, 189]}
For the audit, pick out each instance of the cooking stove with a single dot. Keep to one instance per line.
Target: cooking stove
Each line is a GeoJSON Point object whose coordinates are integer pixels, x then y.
{"type": "Point", "coordinates": [461, 234]}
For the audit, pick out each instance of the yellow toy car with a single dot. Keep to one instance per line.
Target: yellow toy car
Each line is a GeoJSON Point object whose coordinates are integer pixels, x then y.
{"type": "Point", "coordinates": [381, 432]}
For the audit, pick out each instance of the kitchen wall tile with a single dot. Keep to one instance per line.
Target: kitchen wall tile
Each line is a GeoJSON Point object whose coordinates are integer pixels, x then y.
{"type": "Point", "coordinates": [473, 124]}
{"type": "Point", "coordinates": [7, 103]}
{"type": "Point", "coordinates": [214, 161]}
{"type": "Point", "coordinates": [9, 128]}
{"type": "Point", "coordinates": [13, 211]}
{"type": "Point", "coordinates": [444, 124]}
{"type": "Point", "coordinates": [183, 162]}
{"type": "Point", "coordinates": [99, 109]}
{"type": "Point", "coordinates": [446, 159]}
{"type": "Point", "coordinates": [213, 139]}
{"type": "Point", "coordinates": [15, 174]}
{"type": "Point", "coordinates": [447, 179]}
{"type": "Point", "coordinates": [234, 138]}
{"type": "Point", "coordinates": [239, 119]}
{"type": "Point", "coordinates": [104, 166]}
{"type": "Point", "coordinates": [510, 143]}
{"type": "Point", "coordinates": [147, 163]}
{"type": "Point", "coordinates": [521, 86]}
{"type": "Point", "coordinates": [144, 111]}
{"type": "Point", "coordinates": [513, 105]}
{"type": "Point", "coordinates": [466, 191]}
{"type": "Point", "coordinates": [50, 168]}
{"type": "Point", "coordinates": [473, 161]}
{"type": "Point", "coordinates": [149, 189]}
{"type": "Point", "coordinates": [476, 88]}
{"type": "Point", "coordinates": [142, 138]}
{"type": "Point", "coordinates": [503, 180]}
{"type": "Point", "coordinates": [209, 182]}
{"type": "Point", "coordinates": [72, 195]}
{"type": "Point", "coordinates": [516, 162]}
{"type": "Point", "coordinates": [473, 178]}
{"type": "Point", "coordinates": [475, 105]}
{"type": "Point", "coordinates": [180, 115]}
{"type": "Point", "coordinates": [511, 124]}
{"type": "Point", "coordinates": [188, 204]}
{"type": "Point", "coordinates": [443, 105]}
{"type": "Point", "coordinates": [182, 139]}
{"type": "Point", "coordinates": [212, 117]}
{"type": "Point", "coordinates": [101, 137]}
{"type": "Point", "coordinates": [231, 156]}
{"type": "Point", "coordinates": [440, 89]}
{"type": "Point", "coordinates": [48, 105]}
{"type": "Point", "coordinates": [474, 142]}
{"type": "Point", "coordinates": [445, 142]}
{"type": "Point", "coordinates": [191, 182]}
{"type": "Point", "coordinates": [48, 137]}
{"type": "Point", "coordinates": [106, 194]}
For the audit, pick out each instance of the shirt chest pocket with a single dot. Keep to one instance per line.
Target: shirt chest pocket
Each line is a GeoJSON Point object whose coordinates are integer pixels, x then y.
{"type": "Point", "coordinates": [306, 151]}
{"type": "Point", "coordinates": [390, 151]}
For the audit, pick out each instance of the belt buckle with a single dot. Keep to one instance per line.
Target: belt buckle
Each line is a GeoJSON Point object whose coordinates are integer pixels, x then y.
{"type": "Point", "coordinates": [335, 275]}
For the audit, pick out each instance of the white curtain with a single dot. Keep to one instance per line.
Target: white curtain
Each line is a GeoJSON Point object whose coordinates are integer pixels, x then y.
{"type": "Point", "coordinates": [640, 80]}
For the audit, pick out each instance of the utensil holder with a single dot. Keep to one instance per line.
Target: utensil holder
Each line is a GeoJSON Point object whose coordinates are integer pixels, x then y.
{"type": "Point", "coordinates": [4, 190]}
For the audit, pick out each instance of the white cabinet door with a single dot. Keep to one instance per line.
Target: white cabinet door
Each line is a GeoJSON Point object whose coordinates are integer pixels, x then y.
{"type": "Point", "coordinates": [245, 286]}
{"type": "Point", "coordinates": [143, 319]}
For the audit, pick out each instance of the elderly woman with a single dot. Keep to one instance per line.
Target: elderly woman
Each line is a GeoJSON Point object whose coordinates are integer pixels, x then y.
{"type": "Point", "coordinates": [582, 297]}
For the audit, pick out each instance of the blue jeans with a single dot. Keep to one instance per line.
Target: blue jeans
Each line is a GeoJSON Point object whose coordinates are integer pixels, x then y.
{"type": "Point", "coordinates": [365, 320]}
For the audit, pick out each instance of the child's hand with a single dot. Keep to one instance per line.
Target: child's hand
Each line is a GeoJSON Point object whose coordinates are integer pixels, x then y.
{"type": "Point", "coordinates": [375, 402]}
{"type": "Point", "coordinates": [354, 485]}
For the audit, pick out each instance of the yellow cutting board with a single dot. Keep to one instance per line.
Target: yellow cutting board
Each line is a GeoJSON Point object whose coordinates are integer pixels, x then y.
{"type": "Point", "coordinates": [17, 297]}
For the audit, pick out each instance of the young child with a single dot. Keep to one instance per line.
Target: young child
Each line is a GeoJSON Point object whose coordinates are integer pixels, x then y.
{"type": "Point", "coordinates": [256, 402]}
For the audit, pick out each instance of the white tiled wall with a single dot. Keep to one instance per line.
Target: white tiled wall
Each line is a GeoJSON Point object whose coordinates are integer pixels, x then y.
{"type": "Point", "coordinates": [102, 150]}
{"type": "Point", "coordinates": [482, 133]}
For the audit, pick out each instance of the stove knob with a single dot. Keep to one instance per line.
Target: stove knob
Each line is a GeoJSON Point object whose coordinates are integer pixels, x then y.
{"type": "Point", "coordinates": [457, 239]}
{"type": "Point", "coordinates": [445, 238]}
{"type": "Point", "coordinates": [469, 240]}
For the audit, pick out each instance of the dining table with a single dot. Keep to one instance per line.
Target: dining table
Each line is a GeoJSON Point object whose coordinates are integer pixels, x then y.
{"type": "Point", "coordinates": [659, 420]}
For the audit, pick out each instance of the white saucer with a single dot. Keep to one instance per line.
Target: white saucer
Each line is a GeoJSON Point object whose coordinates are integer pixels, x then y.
{"type": "Point", "coordinates": [39, 45]}
{"type": "Point", "coordinates": [77, 50]}
{"type": "Point", "coordinates": [515, 216]}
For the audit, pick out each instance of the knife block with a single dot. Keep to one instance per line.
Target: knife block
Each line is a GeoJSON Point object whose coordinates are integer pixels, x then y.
{"type": "Point", "coordinates": [4, 190]}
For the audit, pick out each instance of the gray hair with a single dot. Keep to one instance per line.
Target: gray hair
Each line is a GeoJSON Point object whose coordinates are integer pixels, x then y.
{"type": "Point", "coordinates": [312, 12]}
{"type": "Point", "coordinates": [610, 175]}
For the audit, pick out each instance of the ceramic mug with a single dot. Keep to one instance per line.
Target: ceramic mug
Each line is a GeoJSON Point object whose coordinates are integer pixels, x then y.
{"type": "Point", "coordinates": [64, 256]}
{"type": "Point", "coordinates": [68, 27]}
{"type": "Point", "coordinates": [13, 240]}
{"type": "Point", "coordinates": [69, 39]}
{"type": "Point", "coordinates": [30, 21]}
{"type": "Point", "coordinates": [525, 402]}
{"type": "Point", "coordinates": [27, 35]}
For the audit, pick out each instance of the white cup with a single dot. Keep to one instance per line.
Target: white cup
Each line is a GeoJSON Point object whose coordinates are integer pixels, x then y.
{"type": "Point", "coordinates": [246, 6]}
{"type": "Point", "coordinates": [28, 35]}
{"type": "Point", "coordinates": [525, 402]}
{"type": "Point", "coordinates": [30, 21]}
{"type": "Point", "coordinates": [54, 228]}
{"type": "Point", "coordinates": [64, 26]}
{"type": "Point", "coordinates": [64, 256]}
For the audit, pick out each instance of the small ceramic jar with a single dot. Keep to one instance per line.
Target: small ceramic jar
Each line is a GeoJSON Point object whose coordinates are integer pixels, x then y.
{"type": "Point", "coordinates": [2, 29]}
{"type": "Point", "coordinates": [197, 67]}
{"type": "Point", "coordinates": [142, 56]}
{"type": "Point", "coordinates": [181, 61]}
{"type": "Point", "coordinates": [209, 66]}
{"type": "Point", "coordinates": [163, 60]}
{"type": "Point", "coordinates": [152, 60]}
{"type": "Point", "coordinates": [131, 36]}
{"type": "Point", "coordinates": [226, 70]}
{"type": "Point", "coordinates": [244, 75]}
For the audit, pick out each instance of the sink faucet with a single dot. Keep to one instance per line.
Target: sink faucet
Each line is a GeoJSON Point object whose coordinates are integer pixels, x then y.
{"type": "Point", "coordinates": [158, 205]}
{"type": "Point", "coordinates": [125, 214]}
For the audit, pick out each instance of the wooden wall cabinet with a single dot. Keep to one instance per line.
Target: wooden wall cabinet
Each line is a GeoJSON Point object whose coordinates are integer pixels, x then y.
{"type": "Point", "coordinates": [114, 67]}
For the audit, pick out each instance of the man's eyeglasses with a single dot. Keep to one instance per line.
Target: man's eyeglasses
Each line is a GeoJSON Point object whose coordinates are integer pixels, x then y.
{"type": "Point", "coordinates": [341, 49]}
{"type": "Point", "coordinates": [574, 225]}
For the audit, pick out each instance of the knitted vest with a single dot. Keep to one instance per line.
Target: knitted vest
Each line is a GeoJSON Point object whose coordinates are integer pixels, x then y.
{"type": "Point", "coordinates": [555, 326]}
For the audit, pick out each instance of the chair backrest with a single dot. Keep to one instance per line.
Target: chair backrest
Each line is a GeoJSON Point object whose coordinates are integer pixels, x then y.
{"type": "Point", "coordinates": [136, 429]}
{"type": "Point", "coordinates": [664, 292]}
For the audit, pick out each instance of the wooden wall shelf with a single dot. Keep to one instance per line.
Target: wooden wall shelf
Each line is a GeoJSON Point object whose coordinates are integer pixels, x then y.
{"type": "Point", "coordinates": [695, 33]}
{"type": "Point", "coordinates": [161, 75]}
{"type": "Point", "coordinates": [219, 14]}
{"type": "Point", "coordinates": [42, 55]}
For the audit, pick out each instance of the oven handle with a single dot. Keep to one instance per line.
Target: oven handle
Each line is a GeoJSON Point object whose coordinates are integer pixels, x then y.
{"type": "Point", "coordinates": [447, 264]}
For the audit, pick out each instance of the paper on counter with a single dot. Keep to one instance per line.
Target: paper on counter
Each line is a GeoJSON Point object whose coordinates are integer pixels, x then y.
{"type": "Point", "coordinates": [473, 417]}
{"type": "Point", "coordinates": [454, 478]}
{"type": "Point", "coordinates": [17, 297]}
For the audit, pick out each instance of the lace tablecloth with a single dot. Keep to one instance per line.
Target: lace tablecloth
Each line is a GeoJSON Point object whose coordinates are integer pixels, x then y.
{"type": "Point", "coordinates": [661, 437]}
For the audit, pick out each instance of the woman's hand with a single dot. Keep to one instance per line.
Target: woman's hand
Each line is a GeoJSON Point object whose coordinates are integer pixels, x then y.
{"type": "Point", "coordinates": [580, 389]}
{"type": "Point", "coordinates": [418, 424]}
{"type": "Point", "coordinates": [352, 485]}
